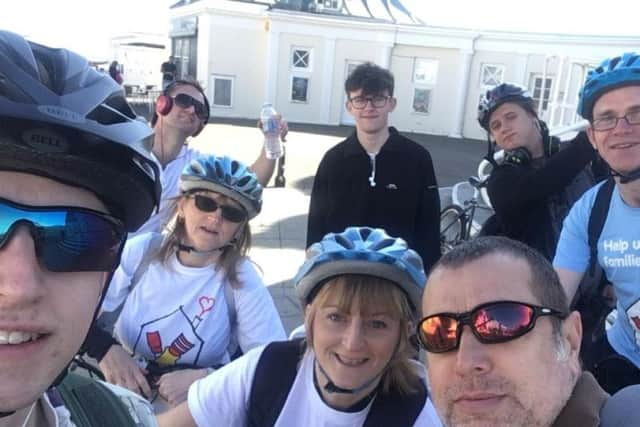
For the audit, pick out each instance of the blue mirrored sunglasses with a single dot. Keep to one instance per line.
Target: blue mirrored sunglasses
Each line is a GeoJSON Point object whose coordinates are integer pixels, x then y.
{"type": "Point", "coordinates": [66, 239]}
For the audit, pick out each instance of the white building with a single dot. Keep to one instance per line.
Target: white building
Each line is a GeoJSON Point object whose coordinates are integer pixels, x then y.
{"type": "Point", "coordinates": [245, 53]}
{"type": "Point", "coordinates": [140, 56]}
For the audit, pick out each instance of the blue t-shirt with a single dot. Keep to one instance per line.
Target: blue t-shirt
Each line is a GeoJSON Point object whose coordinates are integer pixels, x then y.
{"type": "Point", "coordinates": [619, 256]}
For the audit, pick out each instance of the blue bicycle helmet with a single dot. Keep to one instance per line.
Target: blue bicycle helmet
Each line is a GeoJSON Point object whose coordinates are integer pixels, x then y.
{"type": "Point", "coordinates": [62, 119]}
{"type": "Point", "coordinates": [495, 97]}
{"type": "Point", "coordinates": [361, 250]}
{"type": "Point", "coordinates": [612, 73]}
{"type": "Point", "coordinates": [226, 176]}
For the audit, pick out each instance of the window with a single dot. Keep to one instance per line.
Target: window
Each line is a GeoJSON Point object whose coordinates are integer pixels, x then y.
{"type": "Point", "coordinates": [299, 89]}
{"type": "Point", "coordinates": [330, 4]}
{"type": "Point", "coordinates": [222, 91]}
{"type": "Point", "coordinates": [425, 71]}
{"type": "Point", "coordinates": [421, 100]}
{"type": "Point", "coordinates": [425, 77]}
{"type": "Point", "coordinates": [301, 59]}
{"type": "Point", "coordinates": [539, 93]}
{"type": "Point", "coordinates": [491, 75]}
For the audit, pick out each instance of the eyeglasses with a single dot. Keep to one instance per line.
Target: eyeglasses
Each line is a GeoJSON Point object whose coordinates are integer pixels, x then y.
{"type": "Point", "coordinates": [608, 123]}
{"type": "Point", "coordinates": [360, 102]}
{"type": "Point", "coordinates": [67, 239]}
{"type": "Point", "coordinates": [491, 323]}
{"type": "Point", "coordinates": [183, 100]}
{"type": "Point", "coordinates": [207, 204]}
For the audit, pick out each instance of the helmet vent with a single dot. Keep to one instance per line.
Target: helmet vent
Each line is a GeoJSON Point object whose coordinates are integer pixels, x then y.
{"type": "Point", "coordinates": [113, 110]}
{"type": "Point", "coordinates": [385, 243]}
{"type": "Point", "coordinates": [343, 241]}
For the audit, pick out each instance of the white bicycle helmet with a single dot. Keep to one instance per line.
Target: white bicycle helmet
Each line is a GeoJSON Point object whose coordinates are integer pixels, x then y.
{"type": "Point", "coordinates": [361, 250]}
{"type": "Point", "coordinates": [226, 176]}
{"type": "Point", "coordinates": [62, 119]}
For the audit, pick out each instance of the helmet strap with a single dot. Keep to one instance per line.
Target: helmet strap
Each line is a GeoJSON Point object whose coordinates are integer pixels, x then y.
{"type": "Point", "coordinates": [626, 178]}
{"type": "Point", "coordinates": [331, 387]}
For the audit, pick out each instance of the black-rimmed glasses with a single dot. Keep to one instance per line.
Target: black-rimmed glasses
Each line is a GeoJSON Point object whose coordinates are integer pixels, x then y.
{"type": "Point", "coordinates": [608, 123]}
{"type": "Point", "coordinates": [360, 102]}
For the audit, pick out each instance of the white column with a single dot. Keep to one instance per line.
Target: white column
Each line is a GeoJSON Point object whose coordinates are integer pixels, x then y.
{"type": "Point", "coordinates": [203, 70]}
{"type": "Point", "coordinates": [385, 56]}
{"type": "Point", "coordinates": [520, 69]}
{"type": "Point", "coordinates": [273, 53]}
{"type": "Point", "coordinates": [466, 57]}
{"type": "Point", "coordinates": [328, 65]}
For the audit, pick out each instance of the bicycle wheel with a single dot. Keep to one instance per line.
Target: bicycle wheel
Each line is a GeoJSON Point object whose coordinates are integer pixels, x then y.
{"type": "Point", "coordinates": [452, 227]}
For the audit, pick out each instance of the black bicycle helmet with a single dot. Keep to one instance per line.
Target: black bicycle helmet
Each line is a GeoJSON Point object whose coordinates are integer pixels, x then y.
{"type": "Point", "coordinates": [503, 93]}
{"type": "Point", "coordinates": [62, 119]}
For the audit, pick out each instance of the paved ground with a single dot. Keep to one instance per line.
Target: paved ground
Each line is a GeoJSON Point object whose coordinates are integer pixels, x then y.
{"type": "Point", "coordinates": [279, 231]}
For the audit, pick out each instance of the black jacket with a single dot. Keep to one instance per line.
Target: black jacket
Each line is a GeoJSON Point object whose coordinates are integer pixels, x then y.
{"type": "Point", "coordinates": [532, 199]}
{"type": "Point", "coordinates": [404, 200]}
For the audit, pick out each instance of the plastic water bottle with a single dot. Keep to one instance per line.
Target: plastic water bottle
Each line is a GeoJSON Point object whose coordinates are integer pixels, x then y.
{"type": "Point", "coordinates": [271, 131]}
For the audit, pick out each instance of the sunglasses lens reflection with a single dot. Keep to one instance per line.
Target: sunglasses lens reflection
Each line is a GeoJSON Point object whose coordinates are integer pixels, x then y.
{"type": "Point", "coordinates": [495, 323]}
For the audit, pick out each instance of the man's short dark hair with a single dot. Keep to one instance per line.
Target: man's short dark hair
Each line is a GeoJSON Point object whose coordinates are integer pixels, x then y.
{"type": "Point", "coordinates": [371, 78]}
{"type": "Point", "coordinates": [544, 281]}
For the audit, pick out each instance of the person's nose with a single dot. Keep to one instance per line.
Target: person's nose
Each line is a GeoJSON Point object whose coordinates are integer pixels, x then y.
{"type": "Point", "coordinates": [215, 216]}
{"type": "Point", "coordinates": [472, 357]}
{"type": "Point", "coordinates": [21, 276]}
{"type": "Point", "coordinates": [623, 126]}
{"type": "Point", "coordinates": [353, 338]}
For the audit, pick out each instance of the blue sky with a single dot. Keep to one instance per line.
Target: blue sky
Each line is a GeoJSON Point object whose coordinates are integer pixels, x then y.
{"type": "Point", "coordinates": [87, 25]}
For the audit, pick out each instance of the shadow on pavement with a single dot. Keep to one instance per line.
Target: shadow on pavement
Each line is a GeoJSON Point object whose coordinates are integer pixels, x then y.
{"type": "Point", "coordinates": [287, 233]}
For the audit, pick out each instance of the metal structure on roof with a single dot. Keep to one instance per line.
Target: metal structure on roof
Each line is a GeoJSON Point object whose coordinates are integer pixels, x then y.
{"type": "Point", "coordinates": [384, 10]}
{"type": "Point", "coordinates": [394, 11]}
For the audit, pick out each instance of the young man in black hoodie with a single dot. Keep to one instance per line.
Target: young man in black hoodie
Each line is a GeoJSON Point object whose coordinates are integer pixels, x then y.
{"type": "Point", "coordinates": [377, 177]}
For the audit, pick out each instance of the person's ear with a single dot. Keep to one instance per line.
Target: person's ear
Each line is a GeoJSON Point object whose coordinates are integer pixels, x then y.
{"type": "Point", "coordinates": [392, 103]}
{"type": "Point", "coordinates": [348, 106]}
{"type": "Point", "coordinates": [572, 333]}
{"type": "Point", "coordinates": [592, 137]}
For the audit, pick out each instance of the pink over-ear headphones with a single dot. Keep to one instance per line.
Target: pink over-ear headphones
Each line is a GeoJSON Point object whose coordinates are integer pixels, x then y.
{"type": "Point", "coordinates": [164, 102]}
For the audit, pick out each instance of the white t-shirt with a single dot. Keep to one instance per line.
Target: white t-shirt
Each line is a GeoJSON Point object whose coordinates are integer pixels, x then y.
{"type": "Point", "coordinates": [170, 180]}
{"type": "Point", "coordinates": [178, 314]}
{"type": "Point", "coordinates": [224, 395]}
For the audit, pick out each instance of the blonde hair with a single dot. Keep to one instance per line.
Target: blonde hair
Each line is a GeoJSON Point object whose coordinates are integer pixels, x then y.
{"type": "Point", "coordinates": [373, 293]}
{"type": "Point", "coordinates": [230, 256]}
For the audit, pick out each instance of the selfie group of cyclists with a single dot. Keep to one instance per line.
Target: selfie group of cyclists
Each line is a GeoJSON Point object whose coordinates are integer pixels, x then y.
{"type": "Point", "coordinates": [121, 242]}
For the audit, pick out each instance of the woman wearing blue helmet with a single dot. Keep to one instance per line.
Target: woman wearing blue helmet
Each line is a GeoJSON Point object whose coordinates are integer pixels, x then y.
{"type": "Point", "coordinates": [360, 289]}
{"type": "Point", "coordinates": [184, 300]}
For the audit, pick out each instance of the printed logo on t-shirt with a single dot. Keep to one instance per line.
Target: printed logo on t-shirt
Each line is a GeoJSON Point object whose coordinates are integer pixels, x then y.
{"type": "Point", "coordinates": [621, 253]}
{"type": "Point", "coordinates": [170, 338]}
{"type": "Point", "coordinates": [633, 315]}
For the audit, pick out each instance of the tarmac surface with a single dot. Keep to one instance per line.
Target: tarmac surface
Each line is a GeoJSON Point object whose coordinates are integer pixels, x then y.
{"type": "Point", "coordinates": [279, 232]}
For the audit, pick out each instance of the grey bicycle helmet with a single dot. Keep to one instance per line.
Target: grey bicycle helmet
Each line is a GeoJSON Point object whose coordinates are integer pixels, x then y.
{"type": "Point", "coordinates": [62, 119]}
{"type": "Point", "coordinates": [612, 73]}
{"type": "Point", "coordinates": [498, 95]}
{"type": "Point", "coordinates": [226, 176]}
{"type": "Point", "coordinates": [361, 250]}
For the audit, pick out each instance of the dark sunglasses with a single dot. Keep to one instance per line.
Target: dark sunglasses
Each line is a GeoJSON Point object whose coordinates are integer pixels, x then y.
{"type": "Point", "coordinates": [183, 100]}
{"type": "Point", "coordinates": [491, 323]}
{"type": "Point", "coordinates": [207, 204]}
{"type": "Point", "coordinates": [67, 239]}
